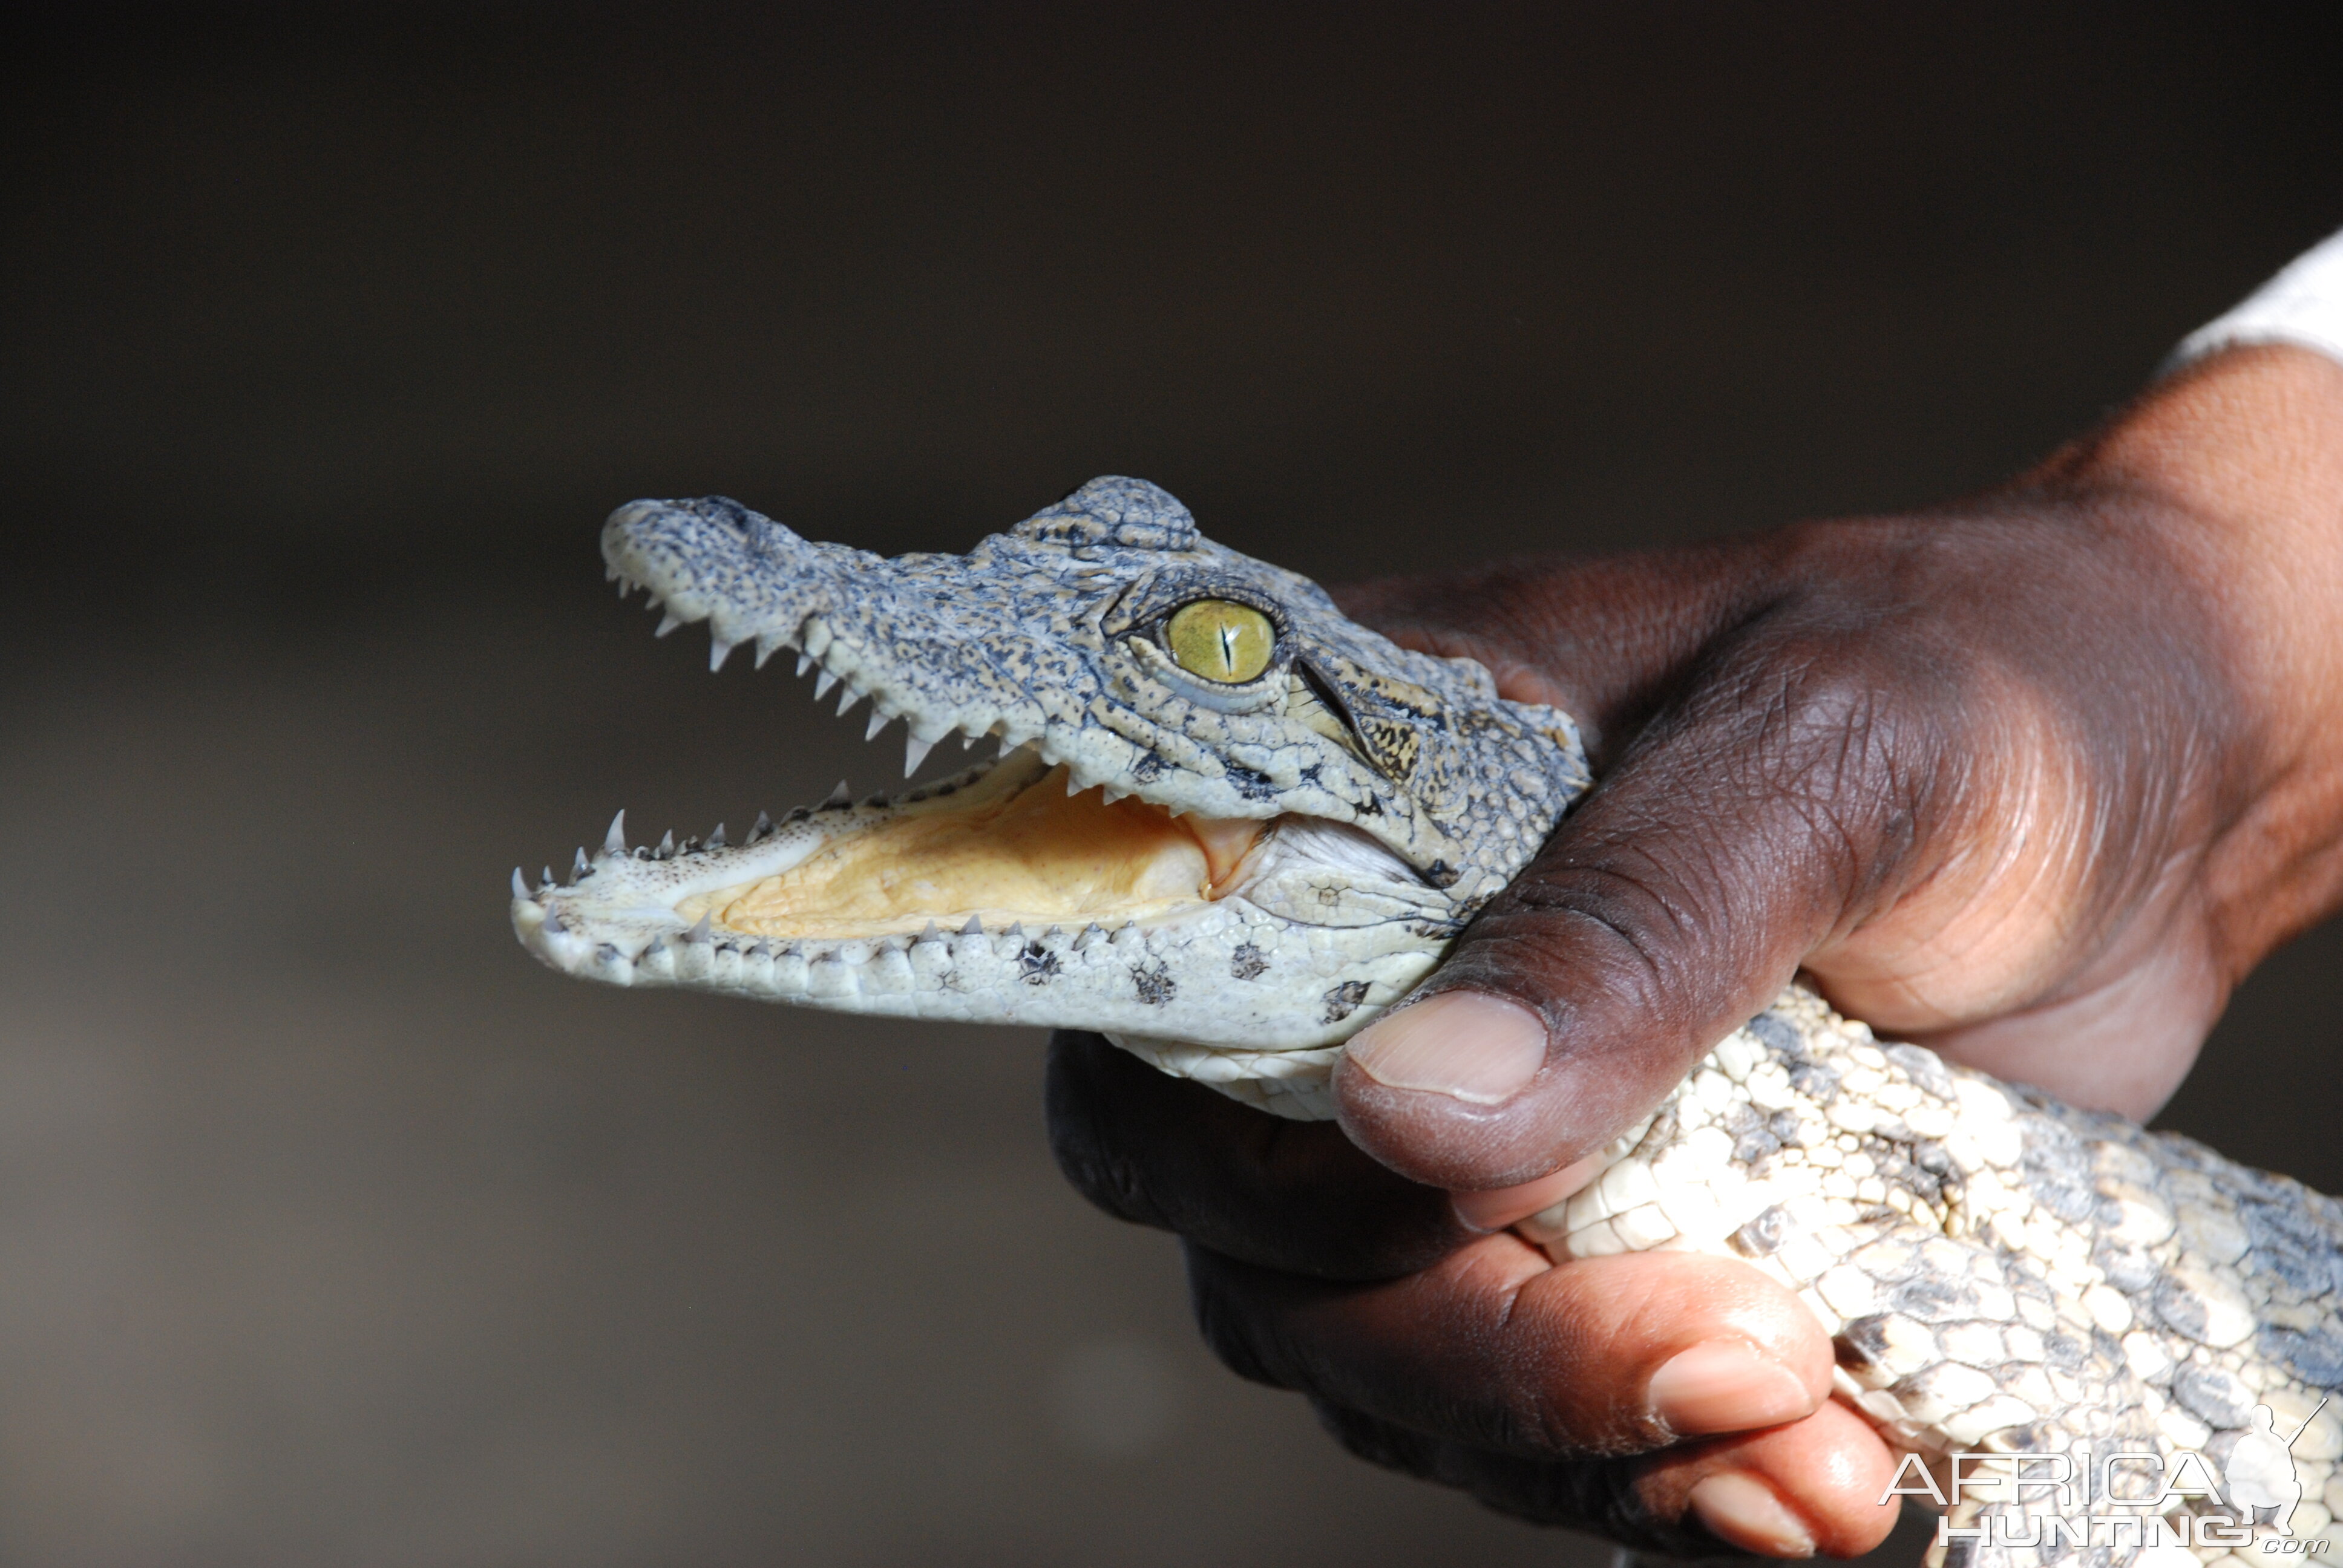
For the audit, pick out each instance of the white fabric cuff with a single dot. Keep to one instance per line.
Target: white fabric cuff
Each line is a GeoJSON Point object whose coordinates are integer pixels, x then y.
{"type": "Point", "coordinates": [2302, 306]}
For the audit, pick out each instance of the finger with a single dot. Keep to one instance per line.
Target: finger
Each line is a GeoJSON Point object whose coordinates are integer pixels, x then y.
{"type": "Point", "coordinates": [1814, 1485]}
{"type": "Point", "coordinates": [1498, 1349]}
{"type": "Point", "coordinates": [1498, 1208]}
{"type": "Point", "coordinates": [1787, 793]}
{"type": "Point", "coordinates": [1792, 1490]}
{"type": "Point", "coordinates": [1293, 1195]}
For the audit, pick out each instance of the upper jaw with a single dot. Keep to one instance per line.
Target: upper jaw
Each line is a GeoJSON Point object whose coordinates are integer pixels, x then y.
{"type": "Point", "coordinates": [1005, 643]}
{"type": "Point", "coordinates": [875, 629]}
{"type": "Point", "coordinates": [754, 581]}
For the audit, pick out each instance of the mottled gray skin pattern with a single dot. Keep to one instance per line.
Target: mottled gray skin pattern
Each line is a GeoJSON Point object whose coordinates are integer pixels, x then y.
{"type": "Point", "coordinates": [2001, 1272]}
{"type": "Point", "coordinates": [1405, 791]}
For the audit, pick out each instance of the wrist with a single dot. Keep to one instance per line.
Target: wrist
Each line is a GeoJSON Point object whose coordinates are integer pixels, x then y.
{"type": "Point", "coordinates": [2239, 459]}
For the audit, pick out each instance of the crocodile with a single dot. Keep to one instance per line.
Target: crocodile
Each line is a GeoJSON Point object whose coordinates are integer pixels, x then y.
{"type": "Point", "coordinates": [1226, 827]}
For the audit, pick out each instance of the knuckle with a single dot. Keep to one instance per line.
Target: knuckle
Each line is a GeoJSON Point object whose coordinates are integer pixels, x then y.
{"type": "Point", "coordinates": [1233, 1329]}
{"type": "Point", "coordinates": [1801, 769]}
{"type": "Point", "coordinates": [1082, 1133]}
{"type": "Point", "coordinates": [1379, 1443]}
{"type": "Point", "coordinates": [1848, 752]}
{"type": "Point", "coordinates": [1820, 715]}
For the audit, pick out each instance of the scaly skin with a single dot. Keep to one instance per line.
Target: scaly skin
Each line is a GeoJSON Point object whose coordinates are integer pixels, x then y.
{"type": "Point", "coordinates": [2001, 1271]}
{"type": "Point", "coordinates": [1401, 791]}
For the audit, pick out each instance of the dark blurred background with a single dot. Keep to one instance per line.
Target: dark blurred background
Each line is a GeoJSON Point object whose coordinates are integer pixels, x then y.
{"type": "Point", "coordinates": [335, 1231]}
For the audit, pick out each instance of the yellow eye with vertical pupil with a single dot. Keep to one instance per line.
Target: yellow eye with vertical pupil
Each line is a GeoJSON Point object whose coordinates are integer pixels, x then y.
{"type": "Point", "coordinates": [1221, 641]}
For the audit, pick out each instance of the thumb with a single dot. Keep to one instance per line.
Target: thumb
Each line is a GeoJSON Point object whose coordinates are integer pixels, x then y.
{"type": "Point", "coordinates": [1783, 796]}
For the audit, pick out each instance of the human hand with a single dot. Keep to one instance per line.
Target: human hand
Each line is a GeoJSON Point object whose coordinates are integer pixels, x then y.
{"type": "Point", "coordinates": [2034, 779]}
{"type": "Point", "coordinates": [1560, 1395]}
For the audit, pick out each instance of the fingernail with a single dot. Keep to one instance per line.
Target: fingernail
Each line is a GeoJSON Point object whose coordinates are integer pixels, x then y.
{"type": "Point", "coordinates": [1743, 1511]}
{"type": "Point", "coordinates": [1724, 1385]}
{"type": "Point", "coordinates": [1494, 1208]}
{"type": "Point", "coordinates": [1460, 1044]}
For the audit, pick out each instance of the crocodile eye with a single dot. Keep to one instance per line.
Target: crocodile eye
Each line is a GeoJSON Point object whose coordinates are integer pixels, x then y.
{"type": "Point", "coordinates": [1220, 640]}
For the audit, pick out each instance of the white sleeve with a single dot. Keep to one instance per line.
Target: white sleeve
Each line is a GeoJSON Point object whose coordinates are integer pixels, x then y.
{"type": "Point", "coordinates": [2302, 306]}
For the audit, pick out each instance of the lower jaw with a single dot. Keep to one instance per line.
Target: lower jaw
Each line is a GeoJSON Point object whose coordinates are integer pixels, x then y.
{"type": "Point", "coordinates": [1227, 976]}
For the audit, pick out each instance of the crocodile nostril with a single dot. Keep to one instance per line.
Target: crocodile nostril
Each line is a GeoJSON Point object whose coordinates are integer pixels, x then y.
{"type": "Point", "coordinates": [725, 510]}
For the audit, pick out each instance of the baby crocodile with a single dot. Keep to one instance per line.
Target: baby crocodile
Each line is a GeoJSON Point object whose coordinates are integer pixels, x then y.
{"type": "Point", "coordinates": [1226, 827]}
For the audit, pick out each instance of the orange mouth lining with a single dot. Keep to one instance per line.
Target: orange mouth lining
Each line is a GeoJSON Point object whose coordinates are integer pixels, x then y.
{"type": "Point", "coordinates": [1003, 851]}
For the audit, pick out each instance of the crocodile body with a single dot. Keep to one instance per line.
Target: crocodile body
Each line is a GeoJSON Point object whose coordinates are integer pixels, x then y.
{"type": "Point", "coordinates": [1228, 827]}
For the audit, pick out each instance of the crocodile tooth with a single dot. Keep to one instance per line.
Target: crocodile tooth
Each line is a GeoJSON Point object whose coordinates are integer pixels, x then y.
{"type": "Point", "coordinates": [668, 623]}
{"type": "Point", "coordinates": [805, 662]}
{"type": "Point", "coordinates": [666, 844]}
{"type": "Point", "coordinates": [849, 700]}
{"type": "Point", "coordinates": [545, 882]}
{"type": "Point", "coordinates": [931, 934]}
{"type": "Point", "coordinates": [1016, 931]}
{"type": "Point", "coordinates": [716, 839]}
{"type": "Point", "coordinates": [625, 587]}
{"type": "Point", "coordinates": [967, 738]}
{"type": "Point", "coordinates": [615, 842]}
{"type": "Point", "coordinates": [768, 644]}
{"type": "Point", "coordinates": [838, 796]}
{"type": "Point", "coordinates": [975, 928]}
{"type": "Point", "coordinates": [764, 827]}
{"type": "Point", "coordinates": [520, 884]}
{"type": "Point", "coordinates": [879, 719]}
{"type": "Point", "coordinates": [698, 932]}
{"type": "Point", "coordinates": [581, 867]}
{"type": "Point", "coordinates": [915, 751]}
{"type": "Point", "coordinates": [719, 650]}
{"type": "Point", "coordinates": [1113, 794]}
{"type": "Point", "coordinates": [821, 683]}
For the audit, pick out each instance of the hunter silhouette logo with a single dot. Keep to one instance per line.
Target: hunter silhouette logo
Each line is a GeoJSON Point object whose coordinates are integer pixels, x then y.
{"type": "Point", "coordinates": [2158, 1506]}
{"type": "Point", "coordinates": [2260, 1471]}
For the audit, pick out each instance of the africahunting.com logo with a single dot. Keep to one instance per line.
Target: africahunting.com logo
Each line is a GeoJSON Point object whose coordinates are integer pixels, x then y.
{"type": "Point", "coordinates": [2165, 1507]}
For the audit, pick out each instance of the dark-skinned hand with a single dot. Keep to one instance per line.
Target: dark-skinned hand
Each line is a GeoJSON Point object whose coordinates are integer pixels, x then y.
{"type": "Point", "coordinates": [2033, 778]}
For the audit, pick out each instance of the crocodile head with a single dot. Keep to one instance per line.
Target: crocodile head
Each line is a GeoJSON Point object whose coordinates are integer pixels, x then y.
{"type": "Point", "coordinates": [1222, 814]}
